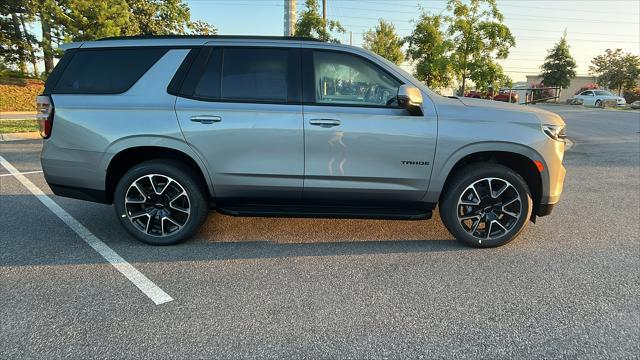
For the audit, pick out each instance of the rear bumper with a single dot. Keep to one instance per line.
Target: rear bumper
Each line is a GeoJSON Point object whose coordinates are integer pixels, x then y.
{"type": "Point", "coordinates": [79, 193]}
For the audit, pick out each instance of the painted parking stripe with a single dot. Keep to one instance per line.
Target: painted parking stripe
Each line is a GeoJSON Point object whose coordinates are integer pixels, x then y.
{"type": "Point", "coordinates": [157, 295]}
{"type": "Point", "coordinates": [23, 173]}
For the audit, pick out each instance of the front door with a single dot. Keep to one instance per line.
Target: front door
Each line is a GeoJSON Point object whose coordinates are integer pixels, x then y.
{"type": "Point", "coordinates": [358, 144]}
{"type": "Point", "coordinates": [241, 113]}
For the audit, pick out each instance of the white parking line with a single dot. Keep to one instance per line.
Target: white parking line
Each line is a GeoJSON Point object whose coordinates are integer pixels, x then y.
{"type": "Point", "coordinates": [23, 173]}
{"type": "Point", "coordinates": [157, 295]}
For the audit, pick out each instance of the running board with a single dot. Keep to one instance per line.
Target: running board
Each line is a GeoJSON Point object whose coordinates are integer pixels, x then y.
{"type": "Point", "coordinates": [324, 212]}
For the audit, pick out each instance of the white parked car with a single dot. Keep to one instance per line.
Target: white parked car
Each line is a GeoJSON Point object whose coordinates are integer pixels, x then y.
{"type": "Point", "coordinates": [598, 97]}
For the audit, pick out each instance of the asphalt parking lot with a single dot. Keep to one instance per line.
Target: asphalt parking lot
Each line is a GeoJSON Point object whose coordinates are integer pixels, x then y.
{"type": "Point", "coordinates": [267, 288]}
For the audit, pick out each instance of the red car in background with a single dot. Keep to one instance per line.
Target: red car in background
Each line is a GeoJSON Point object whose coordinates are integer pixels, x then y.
{"type": "Point", "coordinates": [502, 95]}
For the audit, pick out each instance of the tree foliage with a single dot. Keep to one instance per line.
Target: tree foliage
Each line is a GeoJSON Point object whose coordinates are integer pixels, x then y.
{"type": "Point", "coordinates": [479, 35]}
{"type": "Point", "coordinates": [559, 66]}
{"type": "Point", "coordinates": [311, 24]}
{"type": "Point", "coordinates": [384, 41]}
{"type": "Point", "coordinates": [616, 70]}
{"type": "Point", "coordinates": [95, 19]}
{"type": "Point", "coordinates": [429, 48]}
{"type": "Point", "coordinates": [81, 20]}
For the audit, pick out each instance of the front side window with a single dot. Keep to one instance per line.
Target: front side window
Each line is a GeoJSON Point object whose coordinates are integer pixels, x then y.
{"type": "Point", "coordinates": [587, 93]}
{"type": "Point", "coordinates": [349, 80]}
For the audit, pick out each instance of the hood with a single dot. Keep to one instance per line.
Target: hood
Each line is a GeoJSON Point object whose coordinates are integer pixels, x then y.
{"type": "Point", "coordinates": [502, 105]}
{"type": "Point", "coordinates": [490, 110]}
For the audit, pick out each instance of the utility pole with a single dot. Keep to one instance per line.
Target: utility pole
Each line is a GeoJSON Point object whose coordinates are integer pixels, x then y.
{"type": "Point", "coordinates": [289, 17]}
{"type": "Point", "coordinates": [324, 14]}
{"type": "Point", "coordinates": [351, 38]}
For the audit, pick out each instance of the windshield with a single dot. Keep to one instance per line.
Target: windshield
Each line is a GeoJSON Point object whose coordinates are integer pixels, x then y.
{"type": "Point", "coordinates": [606, 93]}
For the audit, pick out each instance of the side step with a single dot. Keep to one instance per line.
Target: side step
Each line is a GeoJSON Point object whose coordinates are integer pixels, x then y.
{"type": "Point", "coordinates": [324, 212]}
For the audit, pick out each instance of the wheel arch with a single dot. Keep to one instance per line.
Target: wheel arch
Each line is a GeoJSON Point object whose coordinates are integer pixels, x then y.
{"type": "Point", "coordinates": [517, 157]}
{"type": "Point", "coordinates": [123, 158]}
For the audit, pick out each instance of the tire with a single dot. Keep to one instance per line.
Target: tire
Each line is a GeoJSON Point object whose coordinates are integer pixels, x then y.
{"type": "Point", "coordinates": [165, 213]}
{"type": "Point", "coordinates": [598, 104]}
{"type": "Point", "coordinates": [460, 201]}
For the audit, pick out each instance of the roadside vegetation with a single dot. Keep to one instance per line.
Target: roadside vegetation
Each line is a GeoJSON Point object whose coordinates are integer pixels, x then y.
{"type": "Point", "coordinates": [19, 94]}
{"type": "Point", "coordinates": [18, 126]}
{"type": "Point", "coordinates": [459, 47]}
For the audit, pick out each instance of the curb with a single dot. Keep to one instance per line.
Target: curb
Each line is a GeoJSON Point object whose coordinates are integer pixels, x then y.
{"type": "Point", "coordinates": [20, 136]}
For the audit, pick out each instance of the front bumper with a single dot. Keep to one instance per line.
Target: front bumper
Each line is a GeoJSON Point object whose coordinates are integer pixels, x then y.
{"type": "Point", "coordinates": [545, 209]}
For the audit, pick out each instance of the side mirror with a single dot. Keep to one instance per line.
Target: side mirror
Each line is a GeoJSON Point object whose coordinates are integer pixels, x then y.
{"type": "Point", "coordinates": [410, 98]}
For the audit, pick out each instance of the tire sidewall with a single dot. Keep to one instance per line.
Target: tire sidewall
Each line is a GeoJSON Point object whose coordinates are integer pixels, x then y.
{"type": "Point", "coordinates": [185, 177]}
{"type": "Point", "coordinates": [468, 176]}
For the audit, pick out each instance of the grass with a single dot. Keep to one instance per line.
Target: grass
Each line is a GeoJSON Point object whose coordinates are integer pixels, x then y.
{"type": "Point", "coordinates": [16, 126]}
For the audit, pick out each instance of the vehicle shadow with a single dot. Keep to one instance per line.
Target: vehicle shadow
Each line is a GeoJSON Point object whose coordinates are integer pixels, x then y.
{"type": "Point", "coordinates": [50, 242]}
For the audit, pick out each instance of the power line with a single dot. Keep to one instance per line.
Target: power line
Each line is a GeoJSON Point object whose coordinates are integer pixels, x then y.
{"type": "Point", "coordinates": [546, 39]}
{"type": "Point", "coordinates": [395, 4]}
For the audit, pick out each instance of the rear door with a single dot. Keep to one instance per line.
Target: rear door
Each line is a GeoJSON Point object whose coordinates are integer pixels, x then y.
{"type": "Point", "coordinates": [240, 110]}
{"type": "Point", "coordinates": [359, 145]}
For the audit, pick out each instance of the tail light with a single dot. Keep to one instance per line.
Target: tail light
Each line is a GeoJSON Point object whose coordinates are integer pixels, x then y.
{"type": "Point", "coordinates": [44, 106]}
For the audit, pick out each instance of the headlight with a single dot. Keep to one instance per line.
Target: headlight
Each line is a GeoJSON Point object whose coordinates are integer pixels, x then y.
{"type": "Point", "coordinates": [556, 132]}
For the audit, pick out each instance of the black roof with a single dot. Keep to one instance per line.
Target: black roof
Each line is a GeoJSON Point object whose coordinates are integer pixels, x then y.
{"type": "Point", "coordinates": [242, 37]}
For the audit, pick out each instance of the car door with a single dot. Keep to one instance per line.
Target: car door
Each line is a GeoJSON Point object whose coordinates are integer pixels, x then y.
{"type": "Point", "coordinates": [588, 98]}
{"type": "Point", "coordinates": [240, 110]}
{"type": "Point", "coordinates": [359, 145]}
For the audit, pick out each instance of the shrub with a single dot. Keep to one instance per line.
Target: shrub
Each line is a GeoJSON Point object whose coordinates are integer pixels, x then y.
{"type": "Point", "coordinates": [589, 86]}
{"type": "Point", "coordinates": [19, 94]}
{"type": "Point", "coordinates": [631, 95]}
{"type": "Point", "coordinates": [540, 92]}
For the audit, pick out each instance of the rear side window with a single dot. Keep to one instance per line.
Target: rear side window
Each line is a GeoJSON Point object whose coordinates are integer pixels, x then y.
{"type": "Point", "coordinates": [106, 71]}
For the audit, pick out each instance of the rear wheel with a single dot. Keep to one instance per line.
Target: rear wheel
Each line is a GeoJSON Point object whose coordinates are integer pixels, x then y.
{"type": "Point", "coordinates": [160, 202]}
{"type": "Point", "coordinates": [486, 205]}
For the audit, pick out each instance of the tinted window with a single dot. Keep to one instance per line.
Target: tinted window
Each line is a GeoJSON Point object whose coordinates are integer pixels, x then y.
{"type": "Point", "coordinates": [605, 93]}
{"type": "Point", "coordinates": [255, 74]}
{"type": "Point", "coordinates": [346, 79]}
{"type": "Point", "coordinates": [106, 71]}
{"type": "Point", "coordinates": [209, 84]}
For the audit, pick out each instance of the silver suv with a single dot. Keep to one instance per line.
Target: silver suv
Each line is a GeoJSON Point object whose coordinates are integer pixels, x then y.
{"type": "Point", "coordinates": [166, 128]}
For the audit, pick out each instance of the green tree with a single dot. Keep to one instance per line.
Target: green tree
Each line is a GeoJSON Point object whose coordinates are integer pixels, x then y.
{"type": "Point", "coordinates": [95, 19]}
{"type": "Point", "coordinates": [616, 70]}
{"type": "Point", "coordinates": [478, 34]}
{"type": "Point", "coordinates": [311, 24]}
{"type": "Point", "coordinates": [384, 41]}
{"type": "Point", "coordinates": [489, 76]}
{"type": "Point", "coordinates": [202, 28]}
{"type": "Point", "coordinates": [14, 42]}
{"type": "Point", "coordinates": [559, 66]}
{"type": "Point", "coordinates": [429, 48]}
{"type": "Point", "coordinates": [165, 17]}
{"type": "Point", "coordinates": [52, 21]}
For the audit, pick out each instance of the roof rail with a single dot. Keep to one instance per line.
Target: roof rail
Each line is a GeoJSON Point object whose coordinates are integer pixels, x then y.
{"type": "Point", "coordinates": [247, 37]}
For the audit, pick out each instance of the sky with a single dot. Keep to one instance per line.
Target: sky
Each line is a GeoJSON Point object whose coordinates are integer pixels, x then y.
{"type": "Point", "coordinates": [592, 25]}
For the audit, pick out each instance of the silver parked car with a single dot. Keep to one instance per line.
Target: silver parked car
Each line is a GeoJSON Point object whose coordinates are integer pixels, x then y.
{"type": "Point", "coordinates": [598, 98]}
{"type": "Point", "coordinates": [167, 128]}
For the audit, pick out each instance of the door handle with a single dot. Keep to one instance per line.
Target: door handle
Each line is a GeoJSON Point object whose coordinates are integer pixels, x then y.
{"type": "Point", "coordinates": [324, 122]}
{"type": "Point", "coordinates": [206, 119]}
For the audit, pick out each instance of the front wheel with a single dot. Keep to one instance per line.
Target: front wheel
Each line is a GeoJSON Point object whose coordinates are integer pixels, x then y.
{"type": "Point", "coordinates": [598, 103]}
{"type": "Point", "coordinates": [486, 205]}
{"type": "Point", "coordinates": [160, 202]}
